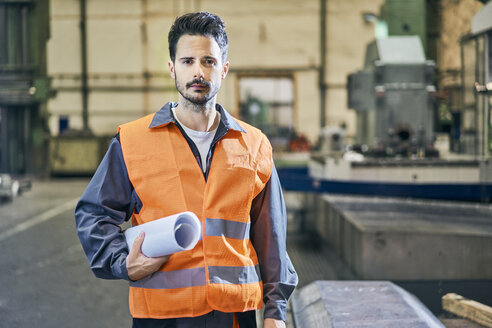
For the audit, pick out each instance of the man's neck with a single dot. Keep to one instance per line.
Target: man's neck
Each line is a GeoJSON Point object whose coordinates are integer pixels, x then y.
{"type": "Point", "coordinates": [196, 117]}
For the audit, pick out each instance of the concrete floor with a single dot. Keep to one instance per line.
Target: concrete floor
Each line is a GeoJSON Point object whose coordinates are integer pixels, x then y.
{"type": "Point", "coordinates": [46, 280]}
{"type": "Point", "coordinates": [45, 277]}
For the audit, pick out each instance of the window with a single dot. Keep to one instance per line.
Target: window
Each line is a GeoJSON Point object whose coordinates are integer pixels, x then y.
{"type": "Point", "coordinates": [268, 103]}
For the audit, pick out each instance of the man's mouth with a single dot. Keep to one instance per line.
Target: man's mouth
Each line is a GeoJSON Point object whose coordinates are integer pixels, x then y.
{"type": "Point", "coordinates": [197, 85]}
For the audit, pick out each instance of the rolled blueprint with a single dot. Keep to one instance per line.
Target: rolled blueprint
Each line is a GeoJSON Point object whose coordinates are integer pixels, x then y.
{"type": "Point", "coordinates": [167, 235]}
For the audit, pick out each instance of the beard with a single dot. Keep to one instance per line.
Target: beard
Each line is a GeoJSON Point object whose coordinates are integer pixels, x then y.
{"type": "Point", "coordinates": [197, 99]}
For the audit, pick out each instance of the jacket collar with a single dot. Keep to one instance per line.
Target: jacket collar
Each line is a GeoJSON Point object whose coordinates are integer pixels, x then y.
{"type": "Point", "coordinates": [164, 116]}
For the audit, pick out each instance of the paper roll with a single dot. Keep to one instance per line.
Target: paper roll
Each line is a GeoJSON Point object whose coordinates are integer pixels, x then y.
{"type": "Point", "coordinates": [167, 235]}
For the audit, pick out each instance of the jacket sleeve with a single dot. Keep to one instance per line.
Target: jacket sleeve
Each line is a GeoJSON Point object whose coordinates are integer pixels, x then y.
{"type": "Point", "coordinates": [268, 235]}
{"type": "Point", "coordinates": [106, 203]}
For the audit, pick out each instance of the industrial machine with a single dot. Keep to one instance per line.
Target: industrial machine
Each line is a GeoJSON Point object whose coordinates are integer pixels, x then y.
{"type": "Point", "coordinates": [395, 100]}
{"type": "Point", "coordinates": [394, 97]}
{"type": "Point", "coordinates": [475, 126]}
{"type": "Point", "coordinates": [24, 85]}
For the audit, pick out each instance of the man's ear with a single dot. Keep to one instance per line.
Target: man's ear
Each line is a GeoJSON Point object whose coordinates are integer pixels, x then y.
{"type": "Point", "coordinates": [170, 64]}
{"type": "Point", "coordinates": [225, 70]}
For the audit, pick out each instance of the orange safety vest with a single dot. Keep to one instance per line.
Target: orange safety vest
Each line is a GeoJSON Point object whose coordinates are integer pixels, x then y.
{"type": "Point", "coordinates": [221, 272]}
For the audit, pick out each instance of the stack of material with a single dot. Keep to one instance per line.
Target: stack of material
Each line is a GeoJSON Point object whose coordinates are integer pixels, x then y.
{"type": "Point", "coordinates": [342, 304]}
{"type": "Point", "coordinates": [466, 308]}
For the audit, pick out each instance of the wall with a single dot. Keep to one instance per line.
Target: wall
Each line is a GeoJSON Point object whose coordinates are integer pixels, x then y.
{"type": "Point", "coordinates": [127, 55]}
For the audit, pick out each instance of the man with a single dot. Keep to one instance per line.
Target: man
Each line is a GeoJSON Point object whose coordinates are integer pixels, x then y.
{"type": "Point", "coordinates": [192, 156]}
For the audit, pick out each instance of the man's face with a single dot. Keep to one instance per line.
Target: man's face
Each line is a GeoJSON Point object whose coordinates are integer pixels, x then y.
{"type": "Point", "coordinates": [198, 69]}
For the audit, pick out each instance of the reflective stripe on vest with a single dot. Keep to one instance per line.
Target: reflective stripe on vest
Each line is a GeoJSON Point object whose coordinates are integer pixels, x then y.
{"type": "Point", "coordinates": [226, 228]}
{"type": "Point", "coordinates": [222, 271]}
{"type": "Point", "coordinates": [196, 277]}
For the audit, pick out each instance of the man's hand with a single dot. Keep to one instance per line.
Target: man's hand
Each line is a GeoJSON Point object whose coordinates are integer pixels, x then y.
{"type": "Point", "coordinates": [273, 323]}
{"type": "Point", "coordinates": [140, 266]}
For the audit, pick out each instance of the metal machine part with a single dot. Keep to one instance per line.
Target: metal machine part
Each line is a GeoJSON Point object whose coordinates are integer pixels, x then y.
{"type": "Point", "coordinates": [394, 96]}
{"type": "Point", "coordinates": [11, 187]}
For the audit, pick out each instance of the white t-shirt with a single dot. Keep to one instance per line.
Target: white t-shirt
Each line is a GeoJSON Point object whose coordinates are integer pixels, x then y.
{"type": "Point", "coordinates": [202, 140]}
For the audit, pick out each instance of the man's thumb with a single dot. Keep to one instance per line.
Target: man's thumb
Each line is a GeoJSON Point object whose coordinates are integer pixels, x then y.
{"type": "Point", "coordinates": [137, 244]}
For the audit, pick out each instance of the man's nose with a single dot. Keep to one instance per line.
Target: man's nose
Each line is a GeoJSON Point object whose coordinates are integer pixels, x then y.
{"type": "Point", "coordinates": [198, 71]}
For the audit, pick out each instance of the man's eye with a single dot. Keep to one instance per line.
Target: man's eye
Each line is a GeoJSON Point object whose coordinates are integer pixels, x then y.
{"type": "Point", "coordinates": [210, 62]}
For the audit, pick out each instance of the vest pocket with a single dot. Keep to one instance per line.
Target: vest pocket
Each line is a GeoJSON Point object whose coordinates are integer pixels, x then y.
{"type": "Point", "coordinates": [242, 161]}
{"type": "Point", "coordinates": [230, 191]}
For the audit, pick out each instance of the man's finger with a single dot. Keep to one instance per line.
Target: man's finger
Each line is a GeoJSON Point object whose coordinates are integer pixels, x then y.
{"type": "Point", "coordinates": [137, 244]}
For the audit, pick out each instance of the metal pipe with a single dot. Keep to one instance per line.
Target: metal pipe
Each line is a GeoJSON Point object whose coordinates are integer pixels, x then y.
{"type": "Point", "coordinates": [478, 135]}
{"type": "Point", "coordinates": [83, 72]}
{"type": "Point", "coordinates": [322, 68]}
{"type": "Point", "coordinates": [3, 34]}
{"type": "Point", "coordinates": [145, 59]}
{"type": "Point", "coordinates": [4, 161]}
{"type": "Point", "coordinates": [26, 159]}
{"type": "Point", "coordinates": [117, 88]}
{"type": "Point", "coordinates": [485, 99]}
{"type": "Point", "coordinates": [25, 35]}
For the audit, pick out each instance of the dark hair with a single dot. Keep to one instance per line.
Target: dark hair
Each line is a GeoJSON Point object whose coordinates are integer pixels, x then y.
{"type": "Point", "coordinates": [201, 23]}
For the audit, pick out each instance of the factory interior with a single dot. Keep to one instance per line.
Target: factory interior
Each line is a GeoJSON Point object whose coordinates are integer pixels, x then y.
{"type": "Point", "coordinates": [378, 113]}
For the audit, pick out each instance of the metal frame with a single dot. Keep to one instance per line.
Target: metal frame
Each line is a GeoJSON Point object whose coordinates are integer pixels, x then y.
{"type": "Point", "coordinates": [298, 179]}
{"type": "Point", "coordinates": [482, 118]}
{"type": "Point", "coordinates": [19, 77]}
{"type": "Point", "coordinates": [3, 139]}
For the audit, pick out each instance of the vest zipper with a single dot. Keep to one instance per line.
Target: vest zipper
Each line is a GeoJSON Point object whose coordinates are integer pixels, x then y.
{"type": "Point", "coordinates": [193, 148]}
{"type": "Point", "coordinates": [221, 132]}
